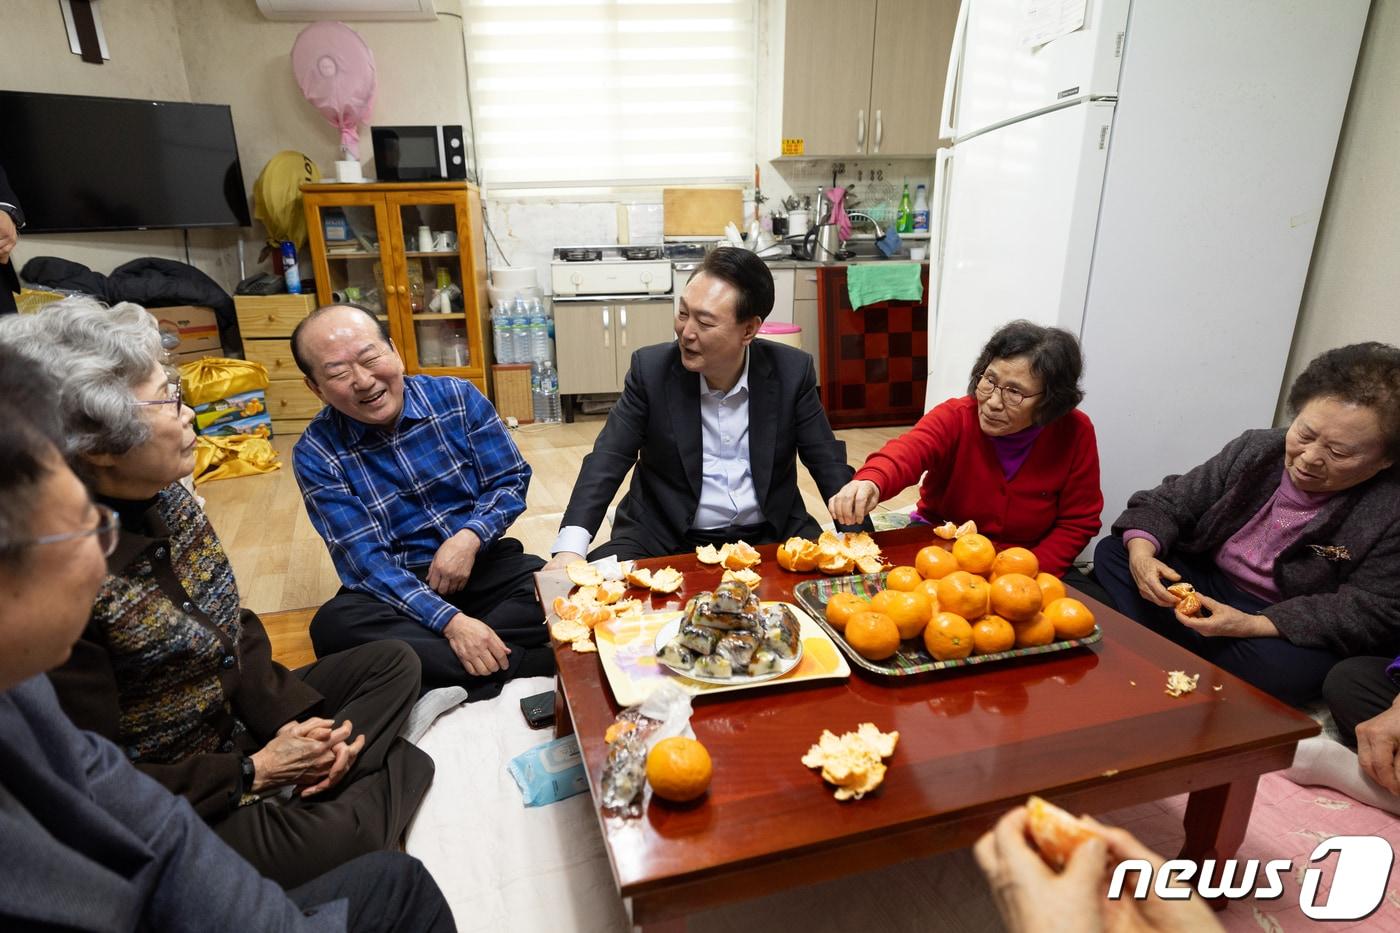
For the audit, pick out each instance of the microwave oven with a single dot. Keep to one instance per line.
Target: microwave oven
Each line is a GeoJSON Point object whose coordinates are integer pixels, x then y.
{"type": "Point", "coordinates": [419, 153]}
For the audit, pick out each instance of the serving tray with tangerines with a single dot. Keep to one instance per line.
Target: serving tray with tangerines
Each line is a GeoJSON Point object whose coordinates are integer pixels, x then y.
{"type": "Point", "coordinates": [955, 607]}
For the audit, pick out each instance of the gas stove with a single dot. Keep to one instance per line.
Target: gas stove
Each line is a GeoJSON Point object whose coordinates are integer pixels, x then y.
{"type": "Point", "coordinates": [610, 270]}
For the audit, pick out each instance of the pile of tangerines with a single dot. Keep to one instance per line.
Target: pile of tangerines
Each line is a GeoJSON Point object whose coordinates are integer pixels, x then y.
{"type": "Point", "coordinates": [964, 601]}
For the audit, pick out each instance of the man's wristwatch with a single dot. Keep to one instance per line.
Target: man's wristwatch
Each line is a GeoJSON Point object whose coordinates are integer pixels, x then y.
{"type": "Point", "coordinates": [250, 773]}
{"type": "Point", "coordinates": [15, 213]}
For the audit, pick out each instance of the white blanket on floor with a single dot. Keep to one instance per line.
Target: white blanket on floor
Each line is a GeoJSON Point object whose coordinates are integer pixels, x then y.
{"type": "Point", "coordinates": [506, 868]}
{"type": "Point", "coordinates": [502, 866]}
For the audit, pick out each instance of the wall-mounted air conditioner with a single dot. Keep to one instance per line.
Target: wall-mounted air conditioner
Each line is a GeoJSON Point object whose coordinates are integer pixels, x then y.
{"type": "Point", "coordinates": [347, 10]}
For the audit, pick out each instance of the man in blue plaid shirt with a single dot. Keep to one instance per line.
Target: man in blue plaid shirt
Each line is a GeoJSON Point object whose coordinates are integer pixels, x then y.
{"type": "Point", "coordinates": [412, 482]}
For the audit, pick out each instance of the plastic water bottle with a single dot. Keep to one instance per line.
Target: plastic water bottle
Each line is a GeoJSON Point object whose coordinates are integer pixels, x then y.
{"type": "Point", "coordinates": [537, 392]}
{"type": "Point", "coordinates": [500, 334]}
{"type": "Point", "coordinates": [290, 273]}
{"type": "Point", "coordinates": [548, 317]}
{"type": "Point", "coordinates": [549, 382]}
{"type": "Point", "coordinates": [921, 210]}
{"type": "Point", "coordinates": [539, 334]}
{"type": "Point", "coordinates": [520, 330]}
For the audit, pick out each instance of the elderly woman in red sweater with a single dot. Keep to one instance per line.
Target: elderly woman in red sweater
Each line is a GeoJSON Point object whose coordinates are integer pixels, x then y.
{"type": "Point", "coordinates": [1014, 455]}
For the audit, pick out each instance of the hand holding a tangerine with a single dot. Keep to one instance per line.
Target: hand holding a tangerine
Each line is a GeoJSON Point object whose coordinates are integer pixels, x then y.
{"type": "Point", "coordinates": [1149, 572]}
{"type": "Point", "coordinates": [854, 501]}
{"type": "Point", "coordinates": [1217, 619]}
{"type": "Point", "coordinates": [1024, 885]}
{"type": "Point", "coordinates": [1032, 896]}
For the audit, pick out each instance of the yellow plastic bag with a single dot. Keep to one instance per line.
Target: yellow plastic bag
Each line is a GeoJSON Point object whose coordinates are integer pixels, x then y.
{"type": "Point", "coordinates": [277, 196]}
{"type": "Point", "coordinates": [234, 455]}
{"type": "Point", "coordinates": [214, 377]}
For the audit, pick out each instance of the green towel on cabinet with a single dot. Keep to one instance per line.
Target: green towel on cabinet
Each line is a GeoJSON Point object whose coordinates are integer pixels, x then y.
{"type": "Point", "coordinates": [872, 282]}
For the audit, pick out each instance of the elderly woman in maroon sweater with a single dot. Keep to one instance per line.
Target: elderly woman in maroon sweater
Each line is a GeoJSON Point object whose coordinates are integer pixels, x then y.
{"type": "Point", "coordinates": [1290, 536]}
{"type": "Point", "coordinates": [1015, 454]}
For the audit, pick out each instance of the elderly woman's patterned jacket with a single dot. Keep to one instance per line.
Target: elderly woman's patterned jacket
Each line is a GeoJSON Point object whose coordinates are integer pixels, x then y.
{"type": "Point", "coordinates": [171, 669]}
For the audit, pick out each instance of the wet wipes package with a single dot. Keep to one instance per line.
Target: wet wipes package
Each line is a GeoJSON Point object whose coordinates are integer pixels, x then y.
{"type": "Point", "coordinates": [549, 772]}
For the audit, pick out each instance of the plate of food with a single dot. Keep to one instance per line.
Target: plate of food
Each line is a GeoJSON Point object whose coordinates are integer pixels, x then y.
{"type": "Point", "coordinates": [728, 637]}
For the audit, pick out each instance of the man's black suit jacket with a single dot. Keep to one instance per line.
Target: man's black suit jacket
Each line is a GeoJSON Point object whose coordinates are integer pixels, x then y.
{"type": "Point", "coordinates": [9, 277]}
{"type": "Point", "coordinates": [658, 418]}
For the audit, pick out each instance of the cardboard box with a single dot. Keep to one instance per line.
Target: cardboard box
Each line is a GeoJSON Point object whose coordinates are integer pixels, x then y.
{"type": "Point", "coordinates": [235, 408]}
{"type": "Point", "coordinates": [197, 327]}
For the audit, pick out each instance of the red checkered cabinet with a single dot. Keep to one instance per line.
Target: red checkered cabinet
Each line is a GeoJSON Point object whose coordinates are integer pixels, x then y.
{"type": "Point", "coordinates": [874, 361]}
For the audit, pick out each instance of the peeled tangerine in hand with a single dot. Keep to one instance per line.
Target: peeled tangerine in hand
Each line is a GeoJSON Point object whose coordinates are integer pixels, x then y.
{"type": "Point", "coordinates": [1055, 832]}
{"type": "Point", "coordinates": [1190, 603]}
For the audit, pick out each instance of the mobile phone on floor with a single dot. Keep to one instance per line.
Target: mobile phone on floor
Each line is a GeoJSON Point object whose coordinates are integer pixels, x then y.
{"type": "Point", "coordinates": [538, 709]}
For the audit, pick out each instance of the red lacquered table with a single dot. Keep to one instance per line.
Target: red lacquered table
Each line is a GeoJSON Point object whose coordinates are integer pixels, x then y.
{"type": "Point", "coordinates": [1090, 729]}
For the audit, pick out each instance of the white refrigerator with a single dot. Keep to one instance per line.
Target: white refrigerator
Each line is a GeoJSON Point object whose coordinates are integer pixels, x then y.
{"type": "Point", "coordinates": [1151, 181]}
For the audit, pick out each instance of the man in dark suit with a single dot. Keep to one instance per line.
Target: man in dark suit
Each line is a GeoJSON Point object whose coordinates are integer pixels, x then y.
{"type": "Point", "coordinates": [718, 420]}
{"type": "Point", "coordinates": [11, 221]}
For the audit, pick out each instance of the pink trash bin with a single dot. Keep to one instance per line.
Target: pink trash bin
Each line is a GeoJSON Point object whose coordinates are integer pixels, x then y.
{"type": "Point", "coordinates": [789, 334]}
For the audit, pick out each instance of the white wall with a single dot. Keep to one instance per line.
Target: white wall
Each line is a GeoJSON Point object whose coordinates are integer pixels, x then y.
{"type": "Point", "coordinates": [1353, 289]}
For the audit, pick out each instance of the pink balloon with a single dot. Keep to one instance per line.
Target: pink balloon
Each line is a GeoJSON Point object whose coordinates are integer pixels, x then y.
{"type": "Point", "coordinates": [335, 70]}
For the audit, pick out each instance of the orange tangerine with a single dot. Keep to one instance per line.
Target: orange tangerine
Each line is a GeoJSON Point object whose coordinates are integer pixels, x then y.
{"type": "Point", "coordinates": [841, 606]}
{"type": "Point", "coordinates": [1070, 618]}
{"type": "Point", "coordinates": [903, 578]}
{"type": "Point", "coordinates": [1035, 631]}
{"type": "Point", "coordinates": [948, 637]}
{"type": "Point", "coordinates": [881, 600]}
{"type": "Point", "coordinates": [1015, 560]}
{"type": "Point", "coordinates": [1051, 588]}
{"type": "Point", "coordinates": [992, 634]}
{"type": "Point", "coordinates": [934, 562]}
{"type": "Point", "coordinates": [975, 553]}
{"type": "Point", "coordinates": [910, 611]}
{"type": "Point", "coordinates": [872, 635]}
{"type": "Point", "coordinates": [1055, 832]}
{"type": "Point", "coordinates": [965, 594]}
{"type": "Point", "coordinates": [679, 768]}
{"type": "Point", "coordinates": [930, 589]}
{"type": "Point", "coordinates": [798, 555]}
{"type": "Point", "coordinates": [741, 555]}
{"type": "Point", "coordinates": [1015, 597]}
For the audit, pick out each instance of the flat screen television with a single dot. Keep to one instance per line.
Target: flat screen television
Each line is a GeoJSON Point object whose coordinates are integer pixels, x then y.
{"type": "Point", "coordinates": [106, 163]}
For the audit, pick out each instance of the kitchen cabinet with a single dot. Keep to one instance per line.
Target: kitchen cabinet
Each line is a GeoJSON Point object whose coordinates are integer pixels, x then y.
{"type": "Point", "coordinates": [862, 77]}
{"type": "Point", "coordinates": [413, 254]}
{"type": "Point", "coordinates": [595, 341]}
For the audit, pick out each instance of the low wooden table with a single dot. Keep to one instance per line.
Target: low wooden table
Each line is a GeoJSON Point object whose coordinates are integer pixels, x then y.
{"type": "Point", "coordinates": [1090, 729]}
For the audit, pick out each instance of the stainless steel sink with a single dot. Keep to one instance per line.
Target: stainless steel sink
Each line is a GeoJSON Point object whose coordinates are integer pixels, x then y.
{"type": "Point", "coordinates": [866, 249]}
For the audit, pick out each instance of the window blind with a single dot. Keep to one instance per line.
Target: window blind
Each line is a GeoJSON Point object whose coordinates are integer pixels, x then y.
{"type": "Point", "coordinates": [612, 93]}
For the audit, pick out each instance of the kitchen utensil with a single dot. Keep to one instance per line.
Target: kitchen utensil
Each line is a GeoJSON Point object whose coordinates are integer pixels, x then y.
{"type": "Point", "coordinates": [799, 220]}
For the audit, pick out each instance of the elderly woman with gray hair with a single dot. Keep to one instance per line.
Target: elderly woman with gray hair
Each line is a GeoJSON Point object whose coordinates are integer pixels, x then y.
{"type": "Point", "coordinates": [172, 670]}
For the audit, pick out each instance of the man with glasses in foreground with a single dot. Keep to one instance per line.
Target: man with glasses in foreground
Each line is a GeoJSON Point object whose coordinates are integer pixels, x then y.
{"type": "Point", "coordinates": [90, 842]}
{"type": "Point", "coordinates": [1015, 454]}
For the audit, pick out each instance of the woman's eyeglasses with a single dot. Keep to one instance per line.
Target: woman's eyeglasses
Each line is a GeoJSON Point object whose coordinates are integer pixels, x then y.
{"type": "Point", "coordinates": [175, 399]}
{"type": "Point", "coordinates": [1010, 395]}
{"type": "Point", "coordinates": [108, 530]}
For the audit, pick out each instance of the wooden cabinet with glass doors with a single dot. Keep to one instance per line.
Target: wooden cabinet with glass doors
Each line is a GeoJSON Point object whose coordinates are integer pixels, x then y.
{"type": "Point", "coordinates": [413, 254]}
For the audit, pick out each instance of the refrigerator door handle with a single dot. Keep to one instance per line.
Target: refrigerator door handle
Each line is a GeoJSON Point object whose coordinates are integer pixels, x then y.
{"type": "Point", "coordinates": [935, 227]}
{"type": "Point", "coordinates": [860, 128]}
{"type": "Point", "coordinates": [879, 128]}
{"type": "Point", "coordinates": [945, 118]}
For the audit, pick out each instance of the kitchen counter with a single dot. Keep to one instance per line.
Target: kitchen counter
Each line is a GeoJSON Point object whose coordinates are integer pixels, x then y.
{"type": "Point", "coordinates": [809, 264]}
